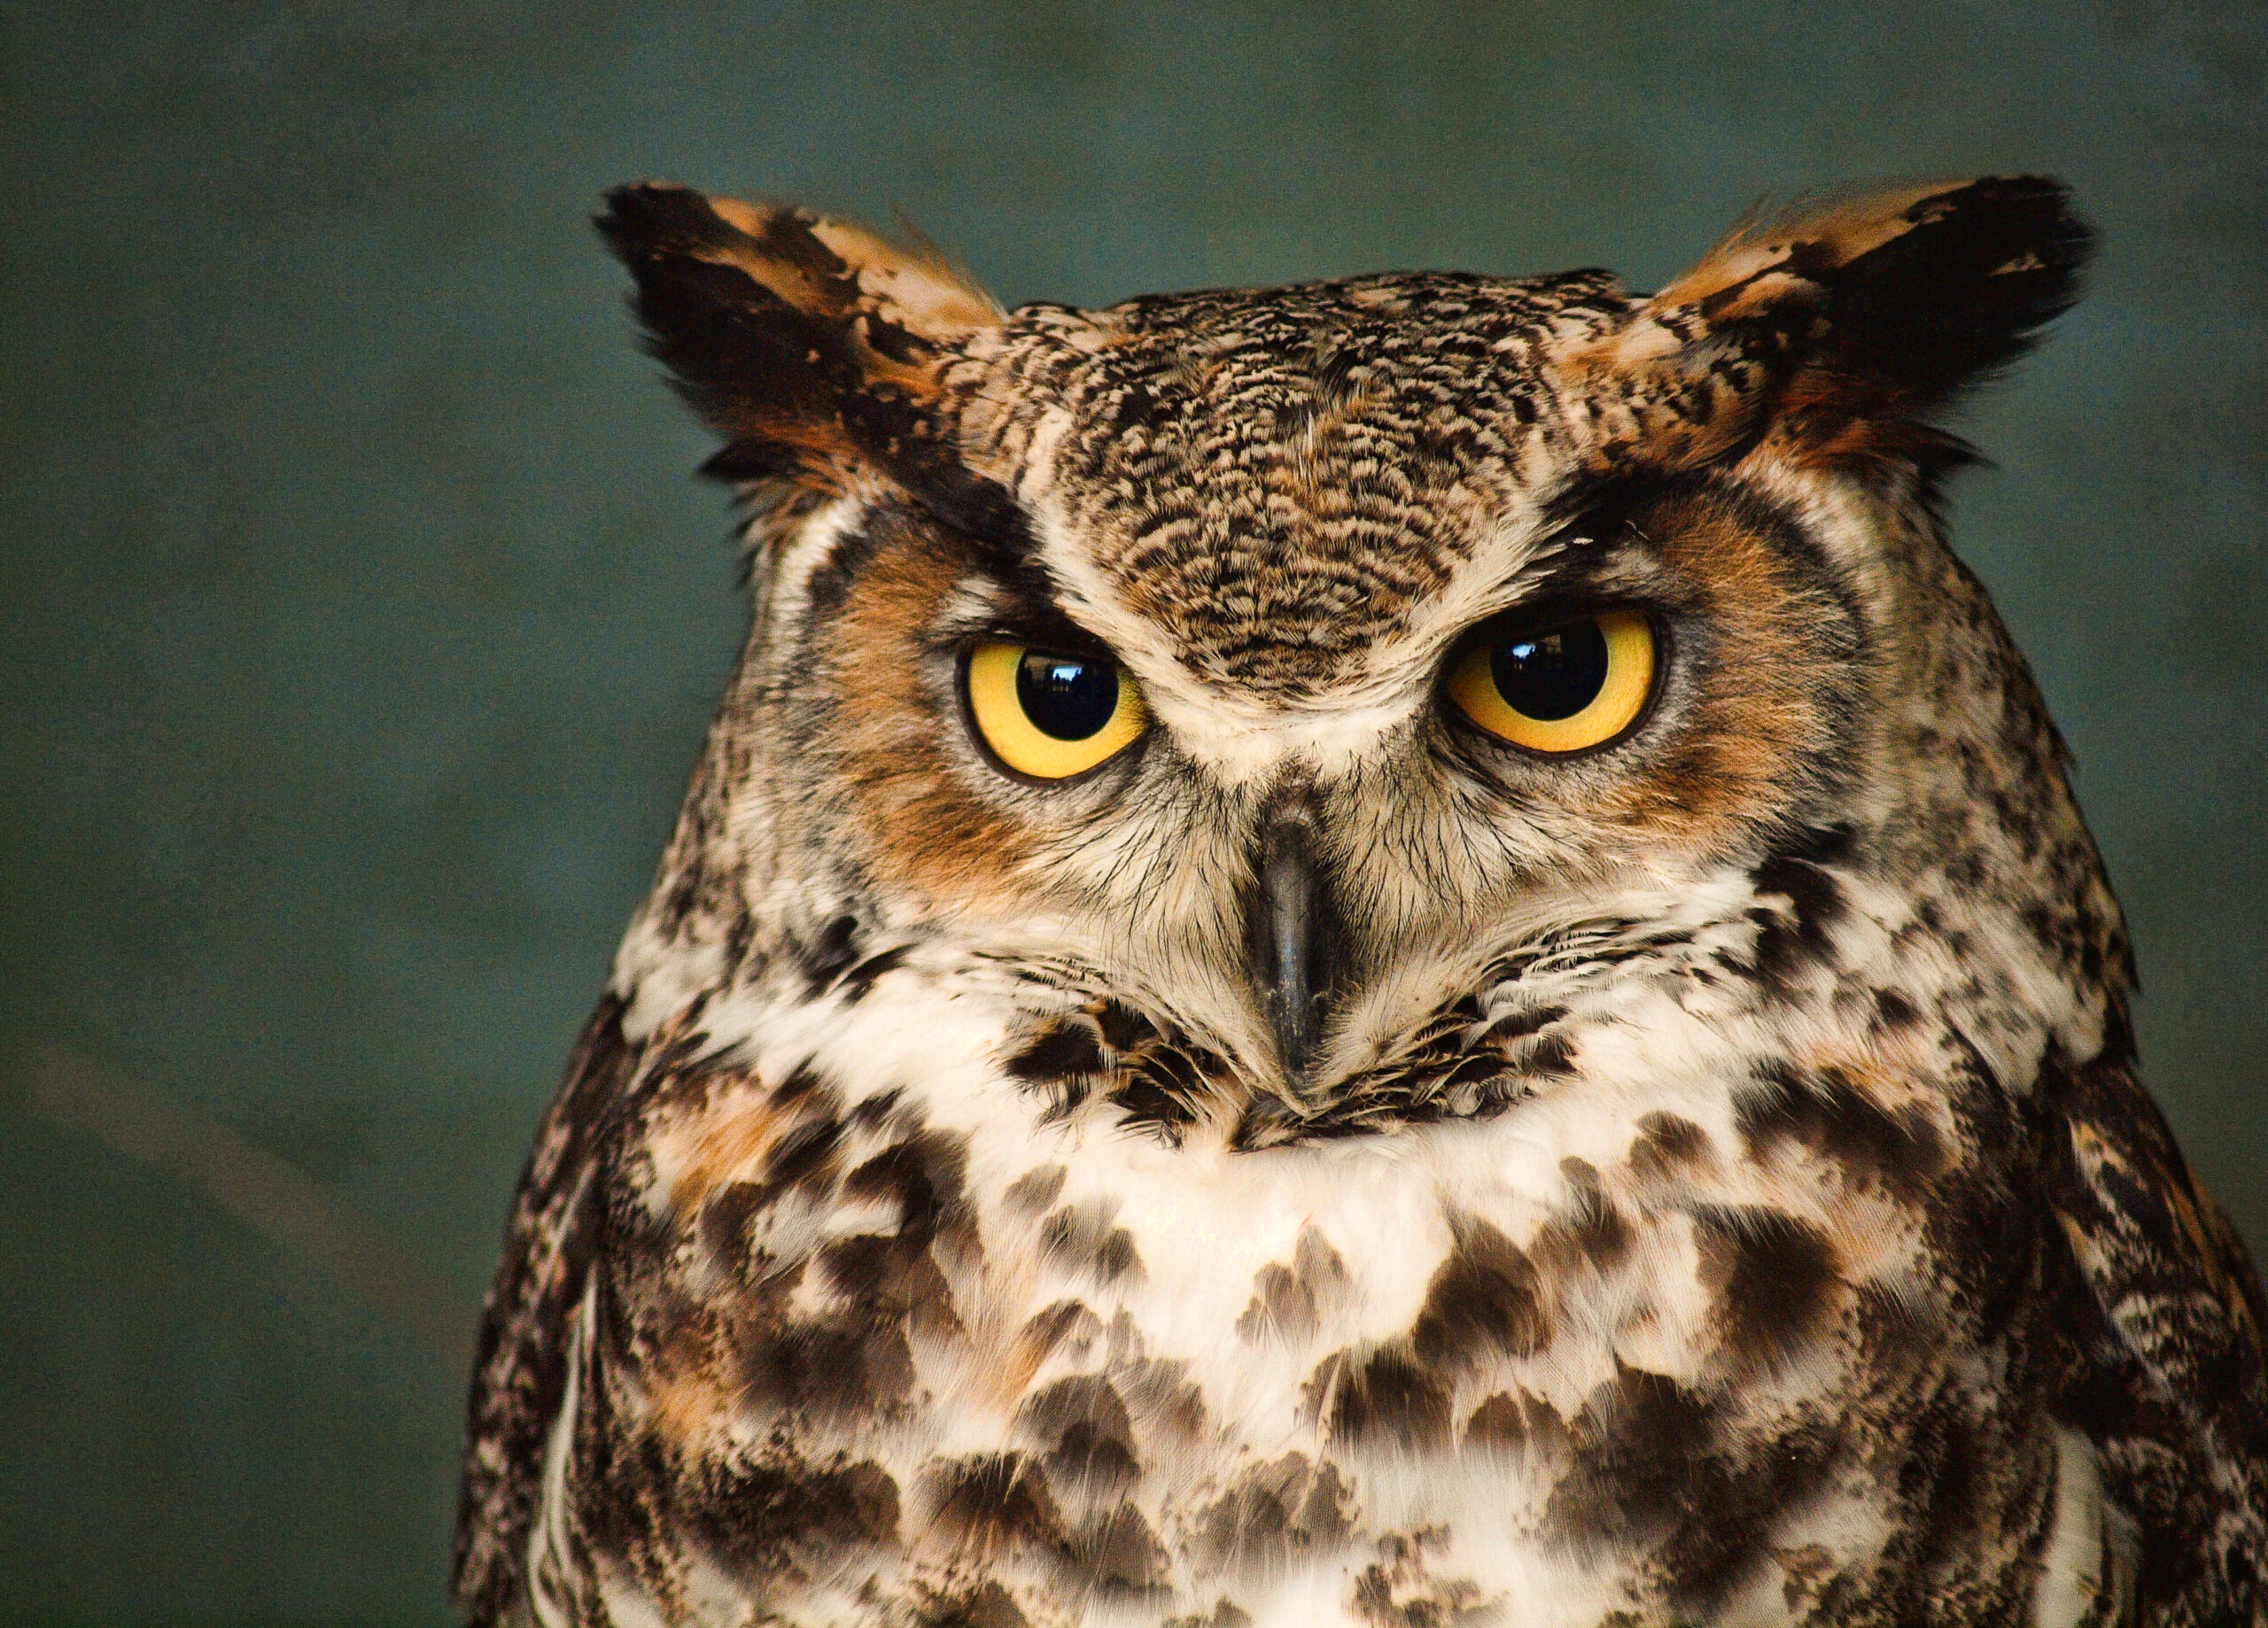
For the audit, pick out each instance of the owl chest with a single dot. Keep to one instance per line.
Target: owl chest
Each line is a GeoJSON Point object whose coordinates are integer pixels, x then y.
{"type": "Point", "coordinates": [1090, 1364]}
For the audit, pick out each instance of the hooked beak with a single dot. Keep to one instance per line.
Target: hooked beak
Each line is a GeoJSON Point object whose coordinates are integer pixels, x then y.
{"type": "Point", "coordinates": [1296, 940]}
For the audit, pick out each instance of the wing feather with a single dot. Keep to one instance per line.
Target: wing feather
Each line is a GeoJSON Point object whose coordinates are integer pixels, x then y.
{"type": "Point", "coordinates": [2165, 1313]}
{"type": "Point", "coordinates": [521, 1370]}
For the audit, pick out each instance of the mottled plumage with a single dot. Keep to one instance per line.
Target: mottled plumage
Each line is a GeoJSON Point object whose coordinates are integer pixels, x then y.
{"type": "Point", "coordinates": [1330, 1163]}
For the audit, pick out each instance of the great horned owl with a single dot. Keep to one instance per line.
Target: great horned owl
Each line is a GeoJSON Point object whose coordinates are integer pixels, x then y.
{"type": "Point", "coordinates": [1401, 951]}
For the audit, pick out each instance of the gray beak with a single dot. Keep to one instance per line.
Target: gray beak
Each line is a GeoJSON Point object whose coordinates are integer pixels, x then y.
{"type": "Point", "coordinates": [1296, 941]}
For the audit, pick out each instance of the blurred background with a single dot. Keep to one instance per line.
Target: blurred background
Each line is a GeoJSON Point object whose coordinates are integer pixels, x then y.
{"type": "Point", "coordinates": [360, 616]}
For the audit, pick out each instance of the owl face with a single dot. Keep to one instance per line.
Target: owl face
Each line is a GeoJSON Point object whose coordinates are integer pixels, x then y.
{"type": "Point", "coordinates": [1293, 671]}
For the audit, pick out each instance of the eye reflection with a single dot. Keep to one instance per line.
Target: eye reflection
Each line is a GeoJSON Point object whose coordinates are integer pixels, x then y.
{"type": "Point", "coordinates": [1066, 697]}
{"type": "Point", "coordinates": [1554, 675]}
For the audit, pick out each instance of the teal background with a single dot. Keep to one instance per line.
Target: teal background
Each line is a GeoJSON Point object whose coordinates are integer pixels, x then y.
{"type": "Point", "coordinates": [359, 616]}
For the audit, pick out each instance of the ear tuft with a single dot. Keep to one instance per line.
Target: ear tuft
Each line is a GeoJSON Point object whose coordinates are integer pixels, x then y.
{"type": "Point", "coordinates": [814, 345]}
{"type": "Point", "coordinates": [1836, 332]}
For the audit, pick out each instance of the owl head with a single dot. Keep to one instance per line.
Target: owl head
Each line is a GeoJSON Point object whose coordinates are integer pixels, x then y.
{"type": "Point", "coordinates": [1316, 708]}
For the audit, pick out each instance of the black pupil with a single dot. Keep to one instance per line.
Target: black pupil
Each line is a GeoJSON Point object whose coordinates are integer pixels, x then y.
{"type": "Point", "coordinates": [1067, 696]}
{"type": "Point", "coordinates": [1552, 675]}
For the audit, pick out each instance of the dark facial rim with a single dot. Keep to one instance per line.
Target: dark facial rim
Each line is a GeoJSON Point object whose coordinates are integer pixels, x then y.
{"type": "Point", "coordinates": [1125, 758]}
{"type": "Point", "coordinates": [1559, 613]}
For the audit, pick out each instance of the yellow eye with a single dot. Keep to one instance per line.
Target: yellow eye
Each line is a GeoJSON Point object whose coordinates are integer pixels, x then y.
{"type": "Point", "coordinates": [1557, 689]}
{"type": "Point", "coordinates": [1049, 714]}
